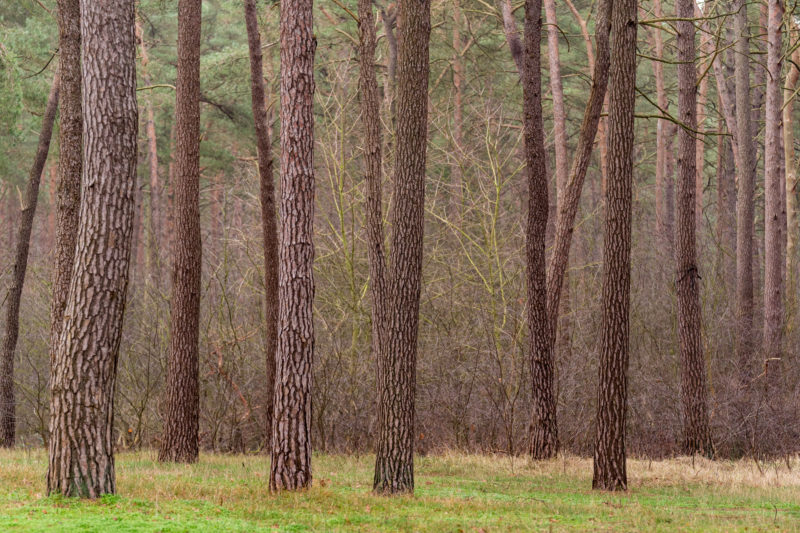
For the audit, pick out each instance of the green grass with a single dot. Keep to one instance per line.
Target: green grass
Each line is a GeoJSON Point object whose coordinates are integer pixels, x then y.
{"type": "Point", "coordinates": [453, 493]}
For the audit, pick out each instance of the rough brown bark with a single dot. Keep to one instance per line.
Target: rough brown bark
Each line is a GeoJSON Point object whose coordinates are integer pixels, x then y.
{"type": "Point", "coordinates": [291, 427]}
{"type": "Point", "coordinates": [694, 388]}
{"type": "Point", "coordinates": [609, 452]}
{"type": "Point", "coordinates": [389, 18]}
{"type": "Point", "coordinates": [664, 227]}
{"type": "Point", "coordinates": [544, 429]}
{"type": "Point", "coordinates": [792, 207]}
{"type": "Point", "coordinates": [745, 206]}
{"type": "Point", "coordinates": [370, 113]}
{"type": "Point", "coordinates": [84, 368]}
{"type": "Point", "coordinates": [180, 440]}
{"type": "Point", "coordinates": [773, 193]}
{"type": "Point", "coordinates": [8, 421]}
{"type": "Point", "coordinates": [70, 161]}
{"type": "Point", "coordinates": [269, 225]}
{"type": "Point", "coordinates": [394, 464]}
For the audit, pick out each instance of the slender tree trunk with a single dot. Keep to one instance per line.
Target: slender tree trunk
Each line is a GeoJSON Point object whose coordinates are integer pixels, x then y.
{"type": "Point", "coordinates": [155, 222]}
{"type": "Point", "coordinates": [568, 206]}
{"type": "Point", "coordinates": [694, 388]}
{"type": "Point", "coordinates": [70, 162]}
{"type": "Point", "coordinates": [726, 215]}
{"type": "Point", "coordinates": [8, 420]}
{"type": "Point", "coordinates": [457, 197]}
{"type": "Point", "coordinates": [269, 225]}
{"type": "Point", "coordinates": [291, 427]}
{"type": "Point", "coordinates": [745, 204]}
{"type": "Point", "coordinates": [389, 18]}
{"type": "Point", "coordinates": [544, 428]}
{"type": "Point", "coordinates": [664, 228]}
{"type": "Point", "coordinates": [792, 207]}
{"type": "Point", "coordinates": [563, 333]}
{"type": "Point", "coordinates": [181, 424]}
{"type": "Point", "coordinates": [774, 204]}
{"type": "Point", "coordinates": [370, 113]}
{"type": "Point", "coordinates": [609, 451]}
{"type": "Point", "coordinates": [394, 464]}
{"type": "Point", "coordinates": [700, 156]}
{"type": "Point", "coordinates": [84, 370]}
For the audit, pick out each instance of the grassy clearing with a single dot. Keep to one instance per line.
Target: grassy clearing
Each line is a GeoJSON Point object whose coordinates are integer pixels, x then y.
{"type": "Point", "coordinates": [454, 493]}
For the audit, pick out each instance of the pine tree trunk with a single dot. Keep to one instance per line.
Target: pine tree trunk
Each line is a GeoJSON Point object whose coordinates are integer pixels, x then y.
{"type": "Point", "coordinates": [745, 204]}
{"type": "Point", "coordinates": [694, 389]}
{"type": "Point", "coordinates": [85, 364]}
{"type": "Point", "coordinates": [726, 215]}
{"type": "Point", "coordinates": [291, 427]}
{"type": "Point", "coordinates": [180, 439]}
{"type": "Point", "coordinates": [774, 204]}
{"type": "Point", "coordinates": [8, 421]}
{"type": "Point", "coordinates": [457, 196]}
{"type": "Point", "coordinates": [269, 225]}
{"type": "Point", "coordinates": [792, 207]}
{"type": "Point", "coordinates": [664, 228]}
{"type": "Point", "coordinates": [394, 463]}
{"type": "Point", "coordinates": [609, 452]}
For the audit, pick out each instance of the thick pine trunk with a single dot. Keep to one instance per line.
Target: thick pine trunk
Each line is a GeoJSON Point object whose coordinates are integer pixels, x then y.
{"type": "Point", "coordinates": [773, 194]}
{"type": "Point", "coordinates": [8, 421]}
{"type": "Point", "coordinates": [180, 439]}
{"type": "Point", "coordinates": [85, 364]}
{"type": "Point", "coordinates": [269, 225]}
{"type": "Point", "coordinates": [394, 464]}
{"type": "Point", "coordinates": [694, 388]}
{"type": "Point", "coordinates": [745, 206]}
{"type": "Point", "coordinates": [291, 427]}
{"type": "Point", "coordinates": [609, 451]}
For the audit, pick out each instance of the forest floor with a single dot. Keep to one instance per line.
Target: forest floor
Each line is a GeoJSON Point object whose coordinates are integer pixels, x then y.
{"type": "Point", "coordinates": [453, 493]}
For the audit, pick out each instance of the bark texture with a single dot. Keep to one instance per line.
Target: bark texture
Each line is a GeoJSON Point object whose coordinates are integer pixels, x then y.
{"type": "Point", "coordinates": [8, 420]}
{"type": "Point", "coordinates": [609, 452]}
{"type": "Point", "coordinates": [792, 206]}
{"type": "Point", "coordinates": [773, 196]}
{"type": "Point", "coordinates": [291, 427]}
{"type": "Point", "coordinates": [745, 205]}
{"type": "Point", "coordinates": [269, 224]}
{"type": "Point", "coordinates": [696, 432]}
{"type": "Point", "coordinates": [81, 458]}
{"type": "Point", "coordinates": [544, 429]}
{"type": "Point", "coordinates": [394, 463]}
{"type": "Point", "coordinates": [180, 440]}
{"type": "Point", "coordinates": [69, 162]}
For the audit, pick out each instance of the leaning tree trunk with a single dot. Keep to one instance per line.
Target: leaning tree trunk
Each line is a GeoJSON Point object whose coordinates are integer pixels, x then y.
{"type": "Point", "coordinates": [609, 451]}
{"type": "Point", "coordinates": [394, 463]}
{"type": "Point", "coordinates": [291, 427]}
{"type": "Point", "coordinates": [544, 429]}
{"type": "Point", "coordinates": [773, 194]}
{"type": "Point", "coordinates": [7, 402]}
{"type": "Point", "coordinates": [745, 206]}
{"type": "Point", "coordinates": [70, 161]}
{"type": "Point", "coordinates": [85, 364]}
{"type": "Point", "coordinates": [694, 389]}
{"type": "Point", "coordinates": [370, 115]}
{"type": "Point", "coordinates": [269, 225]}
{"type": "Point", "coordinates": [181, 423]}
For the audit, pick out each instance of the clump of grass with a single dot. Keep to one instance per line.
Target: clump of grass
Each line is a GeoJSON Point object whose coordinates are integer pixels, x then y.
{"type": "Point", "coordinates": [455, 492]}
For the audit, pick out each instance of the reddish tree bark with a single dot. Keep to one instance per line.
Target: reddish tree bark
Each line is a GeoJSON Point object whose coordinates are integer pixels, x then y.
{"type": "Point", "coordinates": [181, 423]}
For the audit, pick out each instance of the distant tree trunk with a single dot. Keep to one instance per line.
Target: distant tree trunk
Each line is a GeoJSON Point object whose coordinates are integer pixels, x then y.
{"type": "Point", "coordinates": [726, 215]}
{"type": "Point", "coordinates": [544, 428]}
{"type": "Point", "coordinates": [291, 427]}
{"type": "Point", "coordinates": [85, 364]}
{"type": "Point", "coordinates": [664, 228]}
{"type": "Point", "coordinates": [694, 388]}
{"type": "Point", "coordinates": [69, 162]}
{"type": "Point", "coordinates": [774, 204]}
{"type": "Point", "coordinates": [394, 463]}
{"type": "Point", "coordinates": [700, 157]}
{"type": "Point", "coordinates": [745, 204]}
{"type": "Point", "coordinates": [181, 423]}
{"type": "Point", "coordinates": [457, 197]}
{"type": "Point", "coordinates": [8, 420]}
{"type": "Point", "coordinates": [269, 225]}
{"type": "Point", "coordinates": [563, 333]}
{"type": "Point", "coordinates": [609, 451]}
{"type": "Point", "coordinates": [370, 113]}
{"type": "Point", "coordinates": [792, 207]}
{"type": "Point", "coordinates": [568, 205]}
{"type": "Point", "coordinates": [154, 255]}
